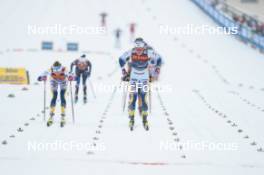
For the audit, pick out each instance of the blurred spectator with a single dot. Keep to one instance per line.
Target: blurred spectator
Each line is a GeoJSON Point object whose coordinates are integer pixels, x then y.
{"type": "Point", "coordinates": [239, 17]}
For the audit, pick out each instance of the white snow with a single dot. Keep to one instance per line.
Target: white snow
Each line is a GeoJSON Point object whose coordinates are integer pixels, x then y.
{"type": "Point", "coordinates": [195, 67]}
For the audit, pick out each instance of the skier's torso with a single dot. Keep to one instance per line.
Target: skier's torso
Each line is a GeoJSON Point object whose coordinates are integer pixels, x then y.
{"type": "Point", "coordinates": [139, 62]}
{"type": "Point", "coordinates": [59, 76]}
{"type": "Point", "coordinates": [82, 66]}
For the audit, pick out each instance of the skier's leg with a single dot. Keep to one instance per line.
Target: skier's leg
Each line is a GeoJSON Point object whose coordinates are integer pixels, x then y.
{"type": "Point", "coordinates": [63, 101]}
{"type": "Point", "coordinates": [78, 79]}
{"type": "Point", "coordinates": [143, 94]}
{"type": "Point", "coordinates": [131, 108]}
{"type": "Point", "coordinates": [63, 88]}
{"type": "Point", "coordinates": [54, 91]}
{"type": "Point", "coordinates": [84, 77]}
{"type": "Point", "coordinates": [140, 105]}
{"type": "Point", "coordinates": [53, 101]}
{"type": "Point", "coordinates": [132, 105]}
{"type": "Point", "coordinates": [63, 106]}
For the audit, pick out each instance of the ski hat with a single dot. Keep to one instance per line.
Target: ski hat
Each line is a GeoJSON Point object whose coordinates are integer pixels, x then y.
{"type": "Point", "coordinates": [82, 57]}
{"type": "Point", "coordinates": [56, 66]}
{"type": "Point", "coordinates": [139, 42]}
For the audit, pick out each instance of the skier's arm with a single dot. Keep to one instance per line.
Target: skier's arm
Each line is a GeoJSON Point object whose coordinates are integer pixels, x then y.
{"type": "Point", "coordinates": [43, 76]}
{"type": "Point", "coordinates": [72, 65]}
{"type": "Point", "coordinates": [69, 76]}
{"type": "Point", "coordinates": [155, 60]}
{"type": "Point", "coordinates": [66, 72]}
{"type": "Point", "coordinates": [123, 59]}
{"type": "Point", "coordinates": [89, 67]}
{"type": "Point", "coordinates": [159, 61]}
{"type": "Point", "coordinates": [122, 62]}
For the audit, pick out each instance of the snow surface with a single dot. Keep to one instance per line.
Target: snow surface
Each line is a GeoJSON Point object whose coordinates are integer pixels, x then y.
{"type": "Point", "coordinates": [216, 97]}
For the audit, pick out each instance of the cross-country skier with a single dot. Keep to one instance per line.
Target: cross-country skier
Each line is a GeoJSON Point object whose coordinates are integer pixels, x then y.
{"type": "Point", "coordinates": [83, 68]}
{"type": "Point", "coordinates": [132, 27]}
{"type": "Point", "coordinates": [58, 82]}
{"type": "Point", "coordinates": [103, 16]}
{"type": "Point", "coordinates": [138, 59]}
{"type": "Point", "coordinates": [117, 34]}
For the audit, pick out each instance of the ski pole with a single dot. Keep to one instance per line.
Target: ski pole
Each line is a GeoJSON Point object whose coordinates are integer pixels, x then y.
{"type": "Point", "coordinates": [92, 88]}
{"type": "Point", "coordinates": [72, 107]}
{"type": "Point", "coordinates": [124, 97]}
{"type": "Point", "coordinates": [150, 98]}
{"type": "Point", "coordinates": [44, 104]}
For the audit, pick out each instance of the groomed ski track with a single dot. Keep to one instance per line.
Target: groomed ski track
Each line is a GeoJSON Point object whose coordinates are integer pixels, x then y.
{"type": "Point", "coordinates": [217, 94]}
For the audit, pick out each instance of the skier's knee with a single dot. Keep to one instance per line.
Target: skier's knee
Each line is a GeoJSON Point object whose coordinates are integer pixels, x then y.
{"type": "Point", "coordinates": [144, 102]}
{"type": "Point", "coordinates": [131, 112]}
{"type": "Point", "coordinates": [77, 80]}
{"type": "Point", "coordinates": [54, 98]}
{"type": "Point", "coordinates": [62, 96]}
{"type": "Point", "coordinates": [132, 100]}
{"type": "Point", "coordinates": [85, 89]}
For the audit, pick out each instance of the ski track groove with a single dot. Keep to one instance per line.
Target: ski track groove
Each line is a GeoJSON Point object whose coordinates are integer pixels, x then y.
{"type": "Point", "coordinates": [26, 123]}
{"type": "Point", "coordinates": [170, 123]}
{"type": "Point", "coordinates": [233, 124]}
{"type": "Point", "coordinates": [100, 125]}
{"type": "Point", "coordinates": [216, 71]}
{"type": "Point", "coordinates": [219, 74]}
{"type": "Point", "coordinates": [199, 57]}
{"type": "Point", "coordinates": [246, 101]}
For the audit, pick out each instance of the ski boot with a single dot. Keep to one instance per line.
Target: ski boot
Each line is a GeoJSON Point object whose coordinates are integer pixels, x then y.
{"type": "Point", "coordinates": [50, 120]}
{"type": "Point", "coordinates": [62, 123]}
{"type": "Point", "coordinates": [145, 121]}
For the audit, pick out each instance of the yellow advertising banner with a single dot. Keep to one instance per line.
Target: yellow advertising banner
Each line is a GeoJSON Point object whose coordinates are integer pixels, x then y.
{"type": "Point", "coordinates": [14, 76]}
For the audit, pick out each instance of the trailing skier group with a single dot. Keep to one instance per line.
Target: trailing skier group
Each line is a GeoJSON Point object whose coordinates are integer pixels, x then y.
{"type": "Point", "coordinates": [140, 66]}
{"type": "Point", "coordinates": [59, 78]}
